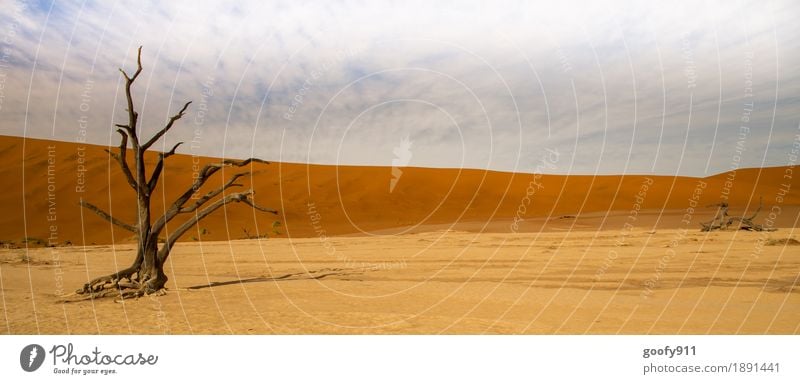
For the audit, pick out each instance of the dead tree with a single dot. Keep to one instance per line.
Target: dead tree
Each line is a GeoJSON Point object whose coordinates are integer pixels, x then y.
{"type": "Point", "coordinates": [719, 219]}
{"type": "Point", "coordinates": [723, 221]}
{"type": "Point", "coordinates": [146, 275]}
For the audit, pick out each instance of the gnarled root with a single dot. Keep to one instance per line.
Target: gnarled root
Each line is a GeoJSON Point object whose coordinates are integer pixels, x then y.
{"type": "Point", "coordinates": [137, 293]}
{"type": "Point", "coordinates": [129, 283]}
{"type": "Point", "coordinates": [115, 281]}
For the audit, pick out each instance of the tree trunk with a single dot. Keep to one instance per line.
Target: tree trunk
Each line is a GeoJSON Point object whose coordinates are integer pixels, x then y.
{"type": "Point", "coordinates": [151, 276]}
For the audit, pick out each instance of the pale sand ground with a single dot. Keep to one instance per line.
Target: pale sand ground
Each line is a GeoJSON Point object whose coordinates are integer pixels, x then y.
{"type": "Point", "coordinates": [437, 282]}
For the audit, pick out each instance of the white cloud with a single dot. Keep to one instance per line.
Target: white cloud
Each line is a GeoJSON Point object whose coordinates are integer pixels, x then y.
{"type": "Point", "coordinates": [473, 84]}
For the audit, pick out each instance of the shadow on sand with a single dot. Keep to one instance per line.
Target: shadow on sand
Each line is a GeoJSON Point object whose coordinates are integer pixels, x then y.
{"type": "Point", "coordinates": [307, 275]}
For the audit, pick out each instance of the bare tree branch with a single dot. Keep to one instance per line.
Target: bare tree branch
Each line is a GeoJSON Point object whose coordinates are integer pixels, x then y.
{"type": "Point", "coordinates": [138, 69]}
{"type": "Point", "coordinates": [253, 204]}
{"type": "Point", "coordinates": [151, 185]}
{"type": "Point", "coordinates": [241, 197]}
{"type": "Point", "coordinates": [166, 128]}
{"type": "Point", "coordinates": [177, 208]}
{"type": "Point", "coordinates": [107, 216]}
{"type": "Point", "coordinates": [210, 195]}
{"type": "Point", "coordinates": [760, 205]}
{"type": "Point", "coordinates": [133, 116]}
{"type": "Point", "coordinates": [206, 172]}
{"type": "Point", "coordinates": [242, 163]}
{"type": "Point", "coordinates": [122, 159]}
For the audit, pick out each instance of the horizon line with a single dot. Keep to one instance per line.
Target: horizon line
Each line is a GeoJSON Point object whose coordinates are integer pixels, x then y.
{"type": "Point", "coordinates": [24, 138]}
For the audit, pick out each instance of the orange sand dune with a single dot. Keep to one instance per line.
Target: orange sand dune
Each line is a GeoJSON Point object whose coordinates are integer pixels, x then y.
{"type": "Point", "coordinates": [44, 180]}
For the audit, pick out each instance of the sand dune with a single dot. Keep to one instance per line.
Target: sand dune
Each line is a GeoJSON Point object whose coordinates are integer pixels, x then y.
{"type": "Point", "coordinates": [316, 200]}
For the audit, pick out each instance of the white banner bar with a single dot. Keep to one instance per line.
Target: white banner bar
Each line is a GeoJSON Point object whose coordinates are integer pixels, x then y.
{"type": "Point", "coordinates": [399, 359]}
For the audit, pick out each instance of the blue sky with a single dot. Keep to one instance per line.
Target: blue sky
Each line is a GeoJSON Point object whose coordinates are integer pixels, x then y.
{"type": "Point", "coordinates": [613, 86]}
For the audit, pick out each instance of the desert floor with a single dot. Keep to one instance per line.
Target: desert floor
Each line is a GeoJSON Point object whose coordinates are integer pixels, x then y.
{"type": "Point", "coordinates": [568, 282]}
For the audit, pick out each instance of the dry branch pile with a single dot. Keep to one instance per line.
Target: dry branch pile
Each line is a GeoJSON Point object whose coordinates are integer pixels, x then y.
{"type": "Point", "coordinates": [723, 220]}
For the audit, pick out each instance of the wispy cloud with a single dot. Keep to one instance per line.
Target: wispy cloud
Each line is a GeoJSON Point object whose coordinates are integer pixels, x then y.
{"type": "Point", "coordinates": [633, 87]}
